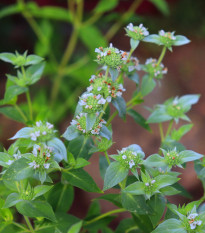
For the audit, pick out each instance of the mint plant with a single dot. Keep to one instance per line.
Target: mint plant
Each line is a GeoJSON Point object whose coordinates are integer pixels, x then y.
{"type": "Point", "coordinates": [40, 170]}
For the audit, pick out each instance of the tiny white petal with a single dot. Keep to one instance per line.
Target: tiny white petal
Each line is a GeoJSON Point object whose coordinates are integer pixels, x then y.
{"type": "Point", "coordinates": [9, 162]}
{"type": "Point", "coordinates": [46, 165]}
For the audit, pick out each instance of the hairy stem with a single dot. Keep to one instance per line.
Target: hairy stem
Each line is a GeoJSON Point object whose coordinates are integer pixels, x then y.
{"type": "Point", "coordinates": [169, 128]}
{"type": "Point", "coordinates": [107, 157]}
{"type": "Point", "coordinates": [29, 105]}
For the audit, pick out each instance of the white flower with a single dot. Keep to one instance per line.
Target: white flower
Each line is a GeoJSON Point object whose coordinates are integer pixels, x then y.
{"type": "Point", "coordinates": [37, 133]}
{"type": "Point", "coordinates": [46, 165]}
{"type": "Point", "coordinates": [35, 150]}
{"type": "Point", "coordinates": [38, 123]}
{"type": "Point", "coordinates": [44, 132]}
{"type": "Point", "coordinates": [131, 163]}
{"type": "Point", "coordinates": [161, 32]}
{"type": "Point", "coordinates": [153, 181]}
{"type": "Point", "coordinates": [49, 125]}
{"type": "Point", "coordinates": [73, 122]}
{"type": "Point", "coordinates": [90, 88]}
{"type": "Point", "coordinates": [192, 216]}
{"type": "Point", "coordinates": [111, 46]}
{"type": "Point", "coordinates": [99, 88]}
{"type": "Point", "coordinates": [102, 101]}
{"type": "Point", "coordinates": [17, 155]}
{"type": "Point", "coordinates": [109, 99]}
{"type": "Point", "coordinates": [130, 27]}
{"type": "Point", "coordinates": [92, 78]}
{"type": "Point", "coordinates": [146, 184]}
{"type": "Point", "coordinates": [10, 162]}
{"type": "Point", "coordinates": [97, 50]}
{"type": "Point", "coordinates": [124, 156]}
{"type": "Point", "coordinates": [98, 96]}
{"type": "Point", "coordinates": [33, 137]}
{"type": "Point", "coordinates": [33, 164]}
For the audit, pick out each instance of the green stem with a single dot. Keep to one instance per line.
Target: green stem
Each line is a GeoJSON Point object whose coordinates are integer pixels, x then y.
{"type": "Point", "coordinates": [107, 72]}
{"type": "Point", "coordinates": [161, 132]}
{"type": "Point", "coordinates": [162, 55]}
{"type": "Point", "coordinates": [21, 112]}
{"type": "Point", "coordinates": [107, 157]}
{"type": "Point", "coordinates": [20, 226]}
{"type": "Point", "coordinates": [29, 224]}
{"type": "Point", "coordinates": [113, 30]}
{"type": "Point", "coordinates": [169, 128]}
{"type": "Point", "coordinates": [111, 117]}
{"type": "Point", "coordinates": [105, 215]}
{"type": "Point", "coordinates": [130, 54]}
{"type": "Point", "coordinates": [29, 105]}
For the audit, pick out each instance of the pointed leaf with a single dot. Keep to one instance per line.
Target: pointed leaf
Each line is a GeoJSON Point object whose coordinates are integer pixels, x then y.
{"type": "Point", "coordinates": [76, 227]}
{"type": "Point", "coordinates": [120, 104]}
{"type": "Point", "coordinates": [23, 133]}
{"type": "Point", "coordinates": [36, 209]}
{"type": "Point", "coordinates": [148, 84]}
{"type": "Point", "coordinates": [181, 40]}
{"type": "Point", "coordinates": [90, 121]}
{"type": "Point", "coordinates": [12, 200]}
{"type": "Point", "coordinates": [115, 173]}
{"type": "Point", "coordinates": [59, 149]}
{"type": "Point", "coordinates": [105, 132]}
{"type": "Point", "coordinates": [170, 225]}
{"type": "Point", "coordinates": [81, 179]}
{"type": "Point", "coordinates": [155, 160]}
{"type": "Point", "coordinates": [71, 133]}
{"type": "Point", "coordinates": [136, 188]}
{"type": "Point", "coordinates": [114, 74]}
{"type": "Point", "coordinates": [134, 43]}
{"type": "Point", "coordinates": [188, 155]}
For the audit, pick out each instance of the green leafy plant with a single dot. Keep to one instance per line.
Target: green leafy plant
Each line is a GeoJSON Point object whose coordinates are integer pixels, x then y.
{"type": "Point", "coordinates": [40, 171]}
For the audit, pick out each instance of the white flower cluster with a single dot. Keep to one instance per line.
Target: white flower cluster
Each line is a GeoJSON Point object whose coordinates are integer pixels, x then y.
{"type": "Point", "coordinates": [46, 155]}
{"type": "Point", "coordinates": [135, 65]}
{"type": "Point", "coordinates": [80, 123]}
{"type": "Point", "coordinates": [158, 69]}
{"type": "Point", "coordinates": [40, 130]}
{"type": "Point", "coordinates": [16, 156]}
{"type": "Point", "coordinates": [193, 223]}
{"type": "Point", "coordinates": [169, 35]}
{"type": "Point", "coordinates": [138, 29]}
{"type": "Point", "coordinates": [84, 100]}
{"type": "Point", "coordinates": [124, 156]}
{"type": "Point", "coordinates": [104, 53]}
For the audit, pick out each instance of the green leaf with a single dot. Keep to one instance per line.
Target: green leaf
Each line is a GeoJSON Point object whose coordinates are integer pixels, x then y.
{"type": "Point", "coordinates": [49, 12]}
{"type": "Point", "coordinates": [136, 188]}
{"type": "Point", "coordinates": [153, 39]}
{"type": "Point", "coordinates": [158, 115]}
{"type": "Point", "coordinates": [113, 198]}
{"type": "Point", "coordinates": [126, 225]}
{"type": "Point", "coordinates": [81, 179]}
{"type": "Point", "coordinates": [4, 158]}
{"type": "Point", "coordinates": [165, 180]}
{"type": "Point", "coordinates": [105, 132]}
{"type": "Point", "coordinates": [169, 190]}
{"type": "Point", "coordinates": [158, 204]}
{"type": "Point", "coordinates": [12, 113]}
{"type": "Point", "coordinates": [33, 60]}
{"type": "Point", "coordinates": [8, 57]}
{"type": "Point", "coordinates": [135, 203]}
{"type": "Point", "coordinates": [115, 173]}
{"type": "Point", "coordinates": [182, 190]}
{"type": "Point", "coordinates": [148, 84]}
{"type": "Point", "coordinates": [12, 200]}
{"type": "Point", "coordinates": [162, 6]}
{"type": "Point", "coordinates": [105, 5]}
{"type": "Point", "coordinates": [134, 77]}
{"type": "Point", "coordinates": [59, 149]}
{"type": "Point", "coordinates": [178, 134]}
{"type": "Point", "coordinates": [94, 210]}
{"type": "Point", "coordinates": [120, 104]}
{"type": "Point", "coordinates": [155, 160]}
{"type": "Point", "coordinates": [61, 197]}
{"type": "Point", "coordinates": [80, 147]}
{"type": "Point", "coordinates": [41, 189]}
{"type": "Point", "coordinates": [11, 93]}
{"type": "Point", "coordinates": [34, 72]}
{"type": "Point", "coordinates": [103, 165]}
{"type": "Point", "coordinates": [90, 121]}
{"type": "Point", "coordinates": [23, 133]}
{"type": "Point", "coordinates": [114, 74]}
{"type": "Point", "coordinates": [134, 43]}
{"type": "Point", "coordinates": [188, 155]}
{"type": "Point", "coordinates": [10, 10]}
{"type": "Point", "coordinates": [19, 170]}
{"type": "Point", "coordinates": [80, 162]}
{"type": "Point", "coordinates": [36, 209]}
{"type": "Point", "coordinates": [181, 40]}
{"type": "Point", "coordinates": [170, 225]}
{"type": "Point", "coordinates": [76, 227]}
{"type": "Point", "coordinates": [139, 119]}
{"type": "Point", "coordinates": [187, 100]}
{"type": "Point", "coordinates": [71, 133]}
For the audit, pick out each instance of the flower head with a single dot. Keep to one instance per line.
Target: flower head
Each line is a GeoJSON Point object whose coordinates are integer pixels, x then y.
{"type": "Point", "coordinates": [136, 32]}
